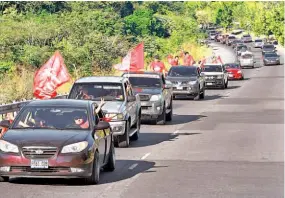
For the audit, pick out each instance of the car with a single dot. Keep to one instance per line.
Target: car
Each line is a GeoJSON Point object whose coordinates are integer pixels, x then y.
{"type": "Point", "coordinates": [230, 39]}
{"type": "Point", "coordinates": [258, 43]}
{"type": "Point", "coordinates": [271, 58]}
{"type": "Point", "coordinates": [155, 95]}
{"type": "Point", "coordinates": [212, 35]}
{"type": "Point", "coordinates": [240, 48]}
{"type": "Point", "coordinates": [268, 48]}
{"type": "Point", "coordinates": [234, 71]}
{"type": "Point", "coordinates": [246, 59]}
{"type": "Point", "coordinates": [187, 81]}
{"type": "Point", "coordinates": [246, 38]}
{"type": "Point", "coordinates": [122, 106]}
{"type": "Point", "coordinates": [57, 138]}
{"type": "Point", "coordinates": [236, 42]}
{"type": "Point", "coordinates": [215, 75]}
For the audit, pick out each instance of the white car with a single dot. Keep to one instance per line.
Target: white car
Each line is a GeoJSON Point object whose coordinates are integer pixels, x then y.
{"type": "Point", "coordinates": [246, 59]}
{"type": "Point", "coordinates": [258, 43]}
{"type": "Point", "coordinates": [215, 75]}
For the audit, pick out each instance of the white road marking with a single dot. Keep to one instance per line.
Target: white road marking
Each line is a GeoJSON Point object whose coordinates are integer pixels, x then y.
{"type": "Point", "coordinates": [133, 166]}
{"type": "Point", "coordinates": [145, 156]}
{"type": "Point", "coordinates": [175, 132]}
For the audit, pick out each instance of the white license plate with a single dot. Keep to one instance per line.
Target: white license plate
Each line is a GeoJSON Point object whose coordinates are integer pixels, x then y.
{"type": "Point", "coordinates": [39, 163]}
{"type": "Point", "coordinates": [179, 88]}
{"type": "Point", "coordinates": [230, 75]}
{"type": "Point", "coordinates": [209, 83]}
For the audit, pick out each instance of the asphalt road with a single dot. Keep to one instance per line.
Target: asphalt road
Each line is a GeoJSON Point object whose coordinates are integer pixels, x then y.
{"type": "Point", "coordinates": [229, 145]}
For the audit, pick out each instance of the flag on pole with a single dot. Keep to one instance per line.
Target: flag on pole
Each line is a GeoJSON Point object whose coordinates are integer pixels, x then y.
{"type": "Point", "coordinates": [133, 61]}
{"type": "Point", "coordinates": [50, 76]}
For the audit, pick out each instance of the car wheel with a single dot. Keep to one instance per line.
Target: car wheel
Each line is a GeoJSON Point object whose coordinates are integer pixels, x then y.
{"type": "Point", "coordinates": [163, 116]}
{"type": "Point", "coordinates": [170, 114]}
{"type": "Point", "coordinates": [95, 176]}
{"type": "Point", "coordinates": [138, 126]}
{"type": "Point", "coordinates": [202, 95]}
{"type": "Point", "coordinates": [242, 78]}
{"type": "Point", "coordinates": [124, 140]}
{"type": "Point", "coordinates": [4, 179]}
{"type": "Point", "coordinates": [226, 84]}
{"type": "Point", "coordinates": [110, 166]}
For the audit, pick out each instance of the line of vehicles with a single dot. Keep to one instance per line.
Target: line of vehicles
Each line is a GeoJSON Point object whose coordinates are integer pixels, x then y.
{"type": "Point", "coordinates": [76, 137]}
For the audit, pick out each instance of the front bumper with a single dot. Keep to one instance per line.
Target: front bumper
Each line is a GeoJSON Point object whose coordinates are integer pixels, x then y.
{"type": "Point", "coordinates": [118, 127]}
{"type": "Point", "coordinates": [60, 166]}
{"type": "Point", "coordinates": [214, 83]}
{"type": "Point", "coordinates": [151, 110]}
{"type": "Point", "coordinates": [189, 90]}
{"type": "Point", "coordinates": [235, 76]}
{"type": "Point", "coordinates": [271, 62]}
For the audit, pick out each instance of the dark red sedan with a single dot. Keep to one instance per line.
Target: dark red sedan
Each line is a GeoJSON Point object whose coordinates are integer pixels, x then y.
{"type": "Point", "coordinates": [60, 138]}
{"type": "Point", "coordinates": [234, 71]}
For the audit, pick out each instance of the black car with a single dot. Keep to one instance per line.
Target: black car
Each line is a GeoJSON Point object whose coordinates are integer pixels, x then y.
{"type": "Point", "coordinates": [271, 58]}
{"type": "Point", "coordinates": [187, 81]}
{"type": "Point", "coordinates": [58, 138]}
{"type": "Point", "coordinates": [268, 48]}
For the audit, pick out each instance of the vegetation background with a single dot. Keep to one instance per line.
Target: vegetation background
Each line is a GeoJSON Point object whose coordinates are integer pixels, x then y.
{"type": "Point", "coordinates": [92, 36]}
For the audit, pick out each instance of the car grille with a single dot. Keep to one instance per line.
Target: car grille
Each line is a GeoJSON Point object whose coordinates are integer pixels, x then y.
{"type": "Point", "coordinates": [39, 152]}
{"type": "Point", "coordinates": [146, 107]}
{"type": "Point", "coordinates": [31, 170]}
{"type": "Point", "coordinates": [144, 97]}
{"type": "Point", "coordinates": [210, 77]}
{"type": "Point", "coordinates": [183, 89]}
{"type": "Point", "coordinates": [178, 82]}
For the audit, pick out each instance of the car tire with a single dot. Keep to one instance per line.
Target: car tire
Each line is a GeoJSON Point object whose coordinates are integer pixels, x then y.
{"type": "Point", "coordinates": [136, 135]}
{"type": "Point", "coordinates": [110, 166]}
{"type": "Point", "coordinates": [163, 116]}
{"type": "Point", "coordinates": [202, 95]}
{"type": "Point", "coordinates": [4, 179]}
{"type": "Point", "coordinates": [124, 140]}
{"type": "Point", "coordinates": [226, 84]}
{"type": "Point", "coordinates": [170, 114]}
{"type": "Point", "coordinates": [242, 78]}
{"type": "Point", "coordinates": [95, 176]}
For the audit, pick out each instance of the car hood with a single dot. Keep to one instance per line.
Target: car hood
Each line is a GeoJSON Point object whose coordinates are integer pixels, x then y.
{"type": "Point", "coordinates": [114, 106]}
{"type": "Point", "coordinates": [271, 58]}
{"type": "Point", "coordinates": [192, 78]}
{"type": "Point", "coordinates": [212, 73]}
{"type": "Point", "coordinates": [44, 137]}
{"type": "Point", "coordinates": [144, 90]}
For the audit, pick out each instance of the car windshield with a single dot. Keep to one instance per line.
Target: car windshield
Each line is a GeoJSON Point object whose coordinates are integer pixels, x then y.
{"type": "Point", "coordinates": [269, 47]}
{"type": "Point", "coordinates": [258, 41]}
{"type": "Point", "coordinates": [232, 66]}
{"type": "Point", "coordinates": [96, 91]}
{"type": "Point", "coordinates": [240, 47]}
{"type": "Point", "coordinates": [182, 72]}
{"type": "Point", "coordinates": [246, 36]}
{"type": "Point", "coordinates": [145, 80]}
{"type": "Point", "coordinates": [246, 56]}
{"type": "Point", "coordinates": [232, 37]}
{"type": "Point", "coordinates": [61, 118]}
{"type": "Point", "coordinates": [270, 55]}
{"type": "Point", "coordinates": [212, 68]}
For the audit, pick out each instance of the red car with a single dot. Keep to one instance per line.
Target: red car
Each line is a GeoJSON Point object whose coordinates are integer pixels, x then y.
{"type": "Point", "coordinates": [234, 71]}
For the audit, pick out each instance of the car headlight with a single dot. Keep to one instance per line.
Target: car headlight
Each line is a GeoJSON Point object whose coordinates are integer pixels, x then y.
{"type": "Point", "coordinates": [8, 147]}
{"type": "Point", "coordinates": [115, 116]}
{"type": "Point", "coordinates": [239, 72]}
{"type": "Point", "coordinates": [192, 82]}
{"type": "Point", "coordinates": [75, 148]}
{"type": "Point", "coordinates": [155, 97]}
{"type": "Point", "coordinates": [220, 77]}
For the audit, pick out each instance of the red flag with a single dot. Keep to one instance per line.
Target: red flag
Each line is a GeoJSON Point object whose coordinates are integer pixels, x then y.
{"type": "Point", "coordinates": [133, 61]}
{"type": "Point", "coordinates": [50, 76]}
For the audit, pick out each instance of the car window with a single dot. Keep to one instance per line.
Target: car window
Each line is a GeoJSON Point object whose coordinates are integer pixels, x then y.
{"type": "Point", "coordinates": [182, 71]}
{"type": "Point", "coordinates": [144, 80]}
{"type": "Point", "coordinates": [53, 118]}
{"type": "Point", "coordinates": [212, 68]}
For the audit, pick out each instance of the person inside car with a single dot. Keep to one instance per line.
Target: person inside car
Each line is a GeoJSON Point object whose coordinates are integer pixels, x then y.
{"type": "Point", "coordinates": [80, 119]}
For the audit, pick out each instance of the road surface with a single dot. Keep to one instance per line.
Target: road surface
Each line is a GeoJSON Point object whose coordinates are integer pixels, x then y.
{"type": "Point", "coordinates": [229, 145]}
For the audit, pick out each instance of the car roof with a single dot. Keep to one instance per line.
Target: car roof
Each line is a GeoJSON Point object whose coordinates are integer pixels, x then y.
{"type": "Point", "coordinates": [142, 72]}
{"type": "Point", "coordinates": [213, 64]}
{"type": "Point", "coordinates": [183, 66]}
{"type": "Point", "coordinates": [109, 79]}
{"type": "Point", "coordinates": [60, 102]}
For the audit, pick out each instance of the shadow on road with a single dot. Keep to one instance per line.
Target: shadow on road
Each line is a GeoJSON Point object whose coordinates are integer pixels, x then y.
{"type": "Point", "coordinates": [183, 119]}
{"type": "Point", "coordinates": [121, 173]}
{"type": "Point", "coordinates": [233, 87]}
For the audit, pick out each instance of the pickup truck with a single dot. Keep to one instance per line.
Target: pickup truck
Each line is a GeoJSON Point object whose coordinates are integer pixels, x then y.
{"type": "Point", "coordinates": [155, 95]}
{"type": "Point", "coordinates": [215, 75]}
{"type": "Point", "coordinates": [122, 107]}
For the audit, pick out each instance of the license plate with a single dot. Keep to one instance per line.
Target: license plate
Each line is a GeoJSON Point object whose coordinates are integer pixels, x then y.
{"type": "Point", "coordinates": [230, 75]}
{"type": "Point", "coordinates": [39, 163]}
{"type": "Point", "coordinates": [179, 88]}
{"type": "Point", "coordinates": [209, 83]}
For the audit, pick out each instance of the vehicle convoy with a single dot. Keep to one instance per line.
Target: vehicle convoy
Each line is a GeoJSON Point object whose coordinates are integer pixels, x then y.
{"type": "Point", "coordinates": [58, 138]}
{"type": "Point", "coordinates": [234, 71]}
{"type": "Point", "coordinates": [268, 48]}
{"type": "Point", "coordinates": [155, 95]}
{"type": "Point", "coordinates": [187, 81]}
{"type": "Point", "coordinates": [122, 106]}
{"type": "Point", "coordinates": [271, 58]}
{"type": "Point", "coordinates": [246, 59]}
{"type": "Point", "coordinates": [215, 75]}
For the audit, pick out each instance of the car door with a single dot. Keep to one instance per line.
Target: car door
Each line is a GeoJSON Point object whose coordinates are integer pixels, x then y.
{"type": "Point", "coordinates": [99, 136]}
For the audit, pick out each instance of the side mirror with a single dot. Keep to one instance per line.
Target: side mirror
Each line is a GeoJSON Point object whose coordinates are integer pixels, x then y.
{"type": "Point", "coordinates": [131, 98]}
{"type": "Point", "coordinates": [102, 125]}
{"type": "Point", "coordinates": [5, 124]}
